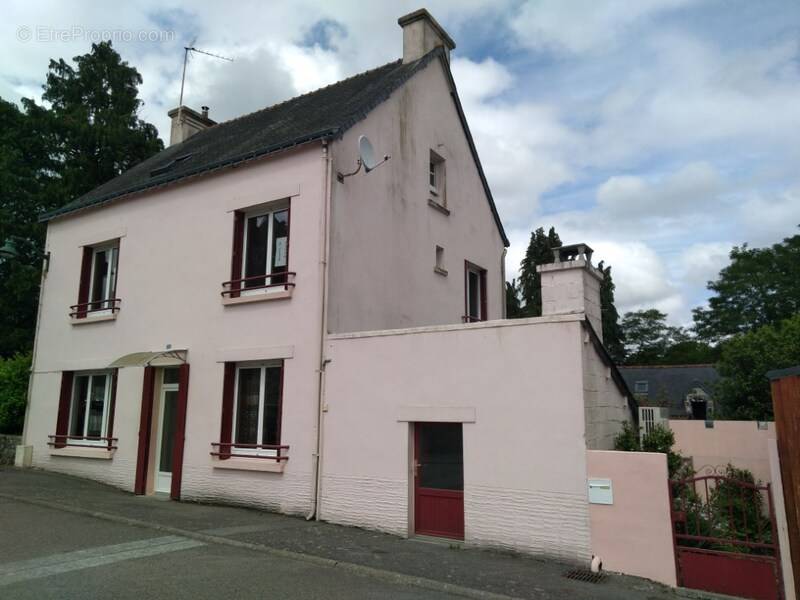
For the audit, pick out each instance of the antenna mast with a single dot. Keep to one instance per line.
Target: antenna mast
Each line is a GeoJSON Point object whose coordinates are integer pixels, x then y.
{"type": "Point", "coordinates": [186, 50]}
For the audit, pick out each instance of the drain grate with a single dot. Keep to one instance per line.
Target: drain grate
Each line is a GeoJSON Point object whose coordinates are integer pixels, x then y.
{"type": "Point", "coordinates": [585, 575]}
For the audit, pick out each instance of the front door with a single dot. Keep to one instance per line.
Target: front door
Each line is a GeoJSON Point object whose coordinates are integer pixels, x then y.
{"type": "Point", "coordinates": [168, 405]}
{"type": "Point", "coordinates": [439, 480]}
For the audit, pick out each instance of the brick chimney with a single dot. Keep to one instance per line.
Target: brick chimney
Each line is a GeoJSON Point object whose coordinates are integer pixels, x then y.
{"type": "Point", "coordinates": [572, 285]}
{"type": "Point", "coordinates": [421, 34]}
{"type": "Point", "coordinates": [186, 122]}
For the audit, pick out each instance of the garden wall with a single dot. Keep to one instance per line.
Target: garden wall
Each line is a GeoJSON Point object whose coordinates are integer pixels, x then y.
{"type": "Point", "coordinates": [8, 446]}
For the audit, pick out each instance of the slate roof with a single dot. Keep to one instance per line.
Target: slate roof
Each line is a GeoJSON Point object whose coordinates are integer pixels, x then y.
{"type": "Point", "coordinates": [324, 113]}
{"type": "Point", "coordinates": [670, 384]}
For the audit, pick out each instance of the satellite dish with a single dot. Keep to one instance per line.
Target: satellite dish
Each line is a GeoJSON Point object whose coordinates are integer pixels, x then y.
{"type": "Point", "coordinates": [366, 153]}
{"type": "Point", "coordinates": [366, 159]}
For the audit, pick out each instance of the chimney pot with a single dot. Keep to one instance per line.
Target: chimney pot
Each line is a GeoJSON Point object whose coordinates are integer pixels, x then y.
{"type": "Point", "coordinates": [421, 34]}
{"type": "Point", "coordinates": [204, 111]}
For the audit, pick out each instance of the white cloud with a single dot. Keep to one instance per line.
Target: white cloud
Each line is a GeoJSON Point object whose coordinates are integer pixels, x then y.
{"type": "Point", "coordinates": [582, 25]}
{"type": "Point", "coordinates": [692, 188]}
{"type": "Point", "coordinates": [768, 218]}
{"type": "Point", "coordinates": [702, 262]}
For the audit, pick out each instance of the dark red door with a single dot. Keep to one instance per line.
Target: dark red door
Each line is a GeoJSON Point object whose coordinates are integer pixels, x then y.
{"type": "Point", "coordinates": [439, 480]}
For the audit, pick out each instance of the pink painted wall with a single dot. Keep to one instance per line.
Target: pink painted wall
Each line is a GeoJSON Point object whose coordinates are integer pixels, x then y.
{"type": "Point", "coordinates": [633, 535]}
{"type": "Point", "coordinates": [740, 443]}
{"type": "Point", "coordinates": [523, 428]}
{"type": "Point", "coordinates": [384, 233]}
{"type": "Point", "coordinates": [175, 252]}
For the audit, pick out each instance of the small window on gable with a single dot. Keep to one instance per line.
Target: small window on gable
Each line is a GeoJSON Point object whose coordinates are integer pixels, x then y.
{"type": "Point", "coordinates": [98, 284]}
{"type": "Point", "coordinates": [474, 293]}
{"type": "Point", "coordinates": [641, 387]}
{"type": "Point", "coordinates": [436, 177]}
{"type": "Point", "coordinates": [438, 267]}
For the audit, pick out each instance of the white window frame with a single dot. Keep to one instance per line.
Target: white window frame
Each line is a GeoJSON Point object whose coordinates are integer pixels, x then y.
{"type": "Point", "coordinates": [436, 167]}
{"type": "Point", "coordinates": [106, 407]}
{"type": "Point", "coordinates": [477, 271]}
{"type": "Point", "coordinates": [111, 280]}
{"type": "Point", "coordinates": [264, 212]}
{"type": "Point", "coordinates": [262, 365]}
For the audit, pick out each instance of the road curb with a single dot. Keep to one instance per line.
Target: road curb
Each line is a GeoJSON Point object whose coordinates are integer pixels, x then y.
{"type": "Point", "coordinates": [355, 568]}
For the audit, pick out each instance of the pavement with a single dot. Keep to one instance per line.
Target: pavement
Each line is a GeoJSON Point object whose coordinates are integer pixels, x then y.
{"type": "Point", "coordinates": [64, 537]}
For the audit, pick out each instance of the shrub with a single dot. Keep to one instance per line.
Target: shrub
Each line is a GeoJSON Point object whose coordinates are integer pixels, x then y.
{"type": "Point", "coordinates": [660, 439]}
{"type": "Point", "coordinates": [14, 376]}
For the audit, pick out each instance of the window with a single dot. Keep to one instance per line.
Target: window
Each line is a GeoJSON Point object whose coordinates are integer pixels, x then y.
{"type": "Point", "coordinates": [257, 407]}
{"type": "Point", "coordinates": [474, 293]}
{"type": "Point", "coordinates": [90, 407]}
{"type": "Point", "coordinates": [641, 387]}
{"type": "Point", "coordinates": [98, 286]}
{"type": "Point", "coordinates": [260, 251]}
{"type": "Point", "coordinates": [436, 177]}
{"type": "Point", "coordinates": [439, 265]}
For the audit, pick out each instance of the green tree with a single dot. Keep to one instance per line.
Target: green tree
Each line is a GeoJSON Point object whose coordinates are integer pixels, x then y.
{"type": "Point", "coordinates": [14, 374]}
{"type": "Point", "coordinates": [26, 184]}
{"type": "Point", "coordinates": [88, 132]}
{"type": "Point", "coordinates": [612, 331]}
{"type": "Point", "coordinates": [760, 286]}
{"type": "Point", "coordinates": [94, 118]}
{"type": "Point", "coordinates": [743, 391]}
{"type": "Point", "coordinates": [513, 306]}
{"type": "Point", "coordinates": [539, 252]}
{"type": "Point", "coordinates": [647, 336]}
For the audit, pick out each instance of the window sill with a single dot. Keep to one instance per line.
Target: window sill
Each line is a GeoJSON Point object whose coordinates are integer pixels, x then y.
{"type": "Point", "coordinates": [249, 464]}
{"type": "Point", "coordinates": [440, 207]}
{"type": "Point", "coordinates": [246, 299]}
{"type": "Point", "coordinates": [440, 271]}
{"type": "Point", "coordinates": [96, 453]}
{"type": "Point", "coordinates": [86, 320]}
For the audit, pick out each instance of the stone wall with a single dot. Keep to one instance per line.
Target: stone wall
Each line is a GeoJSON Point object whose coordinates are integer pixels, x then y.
{"type": "Point", "coordinates": [8, 446]}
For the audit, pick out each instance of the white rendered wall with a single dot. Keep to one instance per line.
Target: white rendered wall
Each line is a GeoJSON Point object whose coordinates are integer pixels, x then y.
{"type": "Point", "coordinates": [524, 452]}
{"type": "Point", "coordinates": [175, 252]}
{"type": "Point", "coordinates": [384, 233]}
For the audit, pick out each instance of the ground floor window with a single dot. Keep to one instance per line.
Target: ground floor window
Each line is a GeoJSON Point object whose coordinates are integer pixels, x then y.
{"type": "Point", "coordinates": [90, 407]}
{"type": "Point", "coordinates": [257, 407]}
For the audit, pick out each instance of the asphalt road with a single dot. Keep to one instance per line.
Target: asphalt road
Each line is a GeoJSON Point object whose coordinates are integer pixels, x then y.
{"type": "Point", "coordinates": [51, 554]}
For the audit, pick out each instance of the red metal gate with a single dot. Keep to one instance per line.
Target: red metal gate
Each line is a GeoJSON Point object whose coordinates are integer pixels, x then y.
{"type": "Point", "coordinates": [725, 536]}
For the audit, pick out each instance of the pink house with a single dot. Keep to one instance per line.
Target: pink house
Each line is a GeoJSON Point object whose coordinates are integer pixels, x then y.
{"type": "Point", "coordinates": [236, 319]}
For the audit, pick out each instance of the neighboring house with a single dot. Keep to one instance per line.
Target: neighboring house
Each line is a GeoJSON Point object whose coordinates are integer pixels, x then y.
{"type": "Point", "coordinates": [349, 357]}
{"type": "Point", "coordinates": [686, 390]}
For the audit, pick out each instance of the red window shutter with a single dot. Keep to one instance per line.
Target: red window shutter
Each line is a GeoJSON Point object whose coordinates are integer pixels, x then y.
{"type": "Point", "coordinates": [180, 432]}
{"type": "Point", "coordinates": [237, 252]}
{"type": "Point", "coordinates": [226, 426]}
{"type": "Point", "coordinates": [112, 402]}
{"type": "Point", "coordinates": [145, 424]}
{"type": "Point", "coordinates": [484, 312]}
{"type": "Point", "coordinates": [64, 402]}
{"type": "Point", "coordinates": [86, 279]}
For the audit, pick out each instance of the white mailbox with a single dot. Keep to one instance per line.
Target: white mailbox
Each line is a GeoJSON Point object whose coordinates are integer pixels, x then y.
{"type": "Point", "coordinates": [600, 491]}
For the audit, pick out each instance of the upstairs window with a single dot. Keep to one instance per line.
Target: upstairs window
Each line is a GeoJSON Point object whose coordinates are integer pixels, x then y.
{"type": "Point", "coordinates": [261, 250]}
{"type": "Point", "coordinates": [474, 293]}
{"type": "Point", "coordinates": [436, 177]}
{"type": "Point", "coordinates": [641, 387]}
{"type": "Point", "coordinates": [98, 285]}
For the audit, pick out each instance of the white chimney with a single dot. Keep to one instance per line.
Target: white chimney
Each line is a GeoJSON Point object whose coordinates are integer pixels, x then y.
{"type": "Point", "coordinates": [572, 285]}
{"type": "Point", "coordinates": [421, 34]}
{"type": "Point", "coordinates": [186, 122]}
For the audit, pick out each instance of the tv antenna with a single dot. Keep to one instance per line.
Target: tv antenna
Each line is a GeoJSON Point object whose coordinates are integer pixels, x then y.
{"type": "Point", "coordinates": [366, 158]}
{"type": "Point", "coordinates": [186, 51]}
